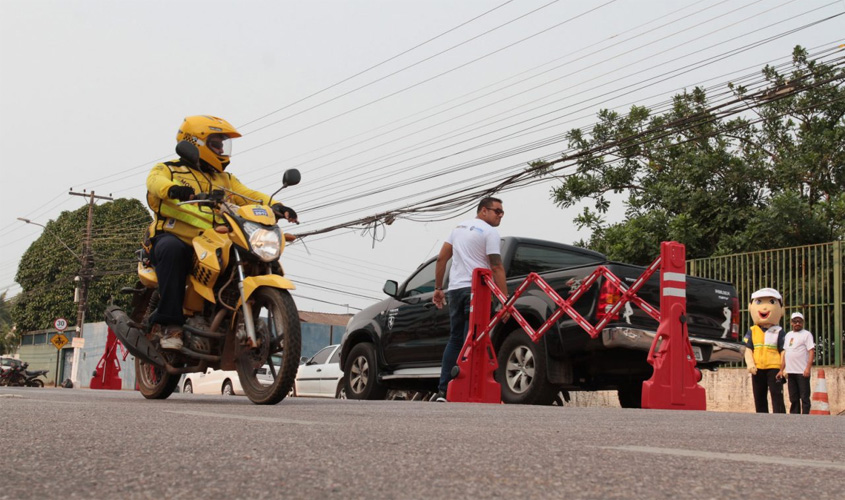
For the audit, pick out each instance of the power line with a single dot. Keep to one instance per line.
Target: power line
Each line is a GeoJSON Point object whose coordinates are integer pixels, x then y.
{"type": "Point", "coordinates": [361, 181]}
{"type": "Point", "coordinates": [404, 89]}
{"type": "Point", "coordinates": [513, 181]}
{"type": "Point", "coordinates": [395, 72]}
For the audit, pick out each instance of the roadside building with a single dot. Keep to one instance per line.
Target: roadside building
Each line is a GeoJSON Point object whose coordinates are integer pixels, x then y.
{"type": "Point", "coordinates": [321, 329]}
{"type": "Point", "coordinates": [37, 349]}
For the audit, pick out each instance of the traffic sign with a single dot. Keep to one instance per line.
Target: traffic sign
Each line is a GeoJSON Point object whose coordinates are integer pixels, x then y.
{"type": "Point", "coordinates": [59, 340]}
{"type": "Point", "coordinates": [60, 324]}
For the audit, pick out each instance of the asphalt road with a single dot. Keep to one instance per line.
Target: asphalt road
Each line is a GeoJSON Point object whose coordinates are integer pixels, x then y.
{"type": "Point", "coordinates": [65, 443]}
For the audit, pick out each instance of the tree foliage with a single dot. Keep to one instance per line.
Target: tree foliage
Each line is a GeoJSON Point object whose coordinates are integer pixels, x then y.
{"type": "Point", "coordinates": [47, 269]}
{"type": "Point", "coordinates": [768, 178]}
{"type": "Point", "coordinates": [8, 336]}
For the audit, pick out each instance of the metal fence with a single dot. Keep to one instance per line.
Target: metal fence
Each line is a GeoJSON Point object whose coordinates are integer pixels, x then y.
{"type": "Point", "coordinates": [810, 278]}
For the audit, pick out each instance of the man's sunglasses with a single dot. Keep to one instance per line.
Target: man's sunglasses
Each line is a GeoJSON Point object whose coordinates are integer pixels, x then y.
{"type": "Point", "coordinates": [497, 211]}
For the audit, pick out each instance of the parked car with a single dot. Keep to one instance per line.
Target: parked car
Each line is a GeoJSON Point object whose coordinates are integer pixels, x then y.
{"type": "Point", "coordinates": [398, 343]}
{"type": "Point", "coordinates": [321, 375]}
{"type": "Point", "coordinates": [212, 381]}
{"type": "Point", "coordinates": [7, 363]}
{"type": "Point", "coordinates": [224, 382]}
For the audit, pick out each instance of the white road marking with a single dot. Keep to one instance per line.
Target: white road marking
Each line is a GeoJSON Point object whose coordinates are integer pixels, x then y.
{"type": "Point", "coordinates": [736, 457]}
{"type": "Point", "coordinates": [244, 417]}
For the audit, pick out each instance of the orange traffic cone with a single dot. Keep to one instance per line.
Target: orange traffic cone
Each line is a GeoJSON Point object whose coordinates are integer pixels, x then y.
{"type": "Point", "coordinates": [820, 404]}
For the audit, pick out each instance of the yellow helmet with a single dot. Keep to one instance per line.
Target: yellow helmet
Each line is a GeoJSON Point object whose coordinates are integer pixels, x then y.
{"type": "Point", "coordinates": [198, 129]}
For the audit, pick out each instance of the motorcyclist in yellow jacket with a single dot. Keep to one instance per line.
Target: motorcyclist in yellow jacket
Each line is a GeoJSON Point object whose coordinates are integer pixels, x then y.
{"type": "Point", "coordinates": [174, 226]}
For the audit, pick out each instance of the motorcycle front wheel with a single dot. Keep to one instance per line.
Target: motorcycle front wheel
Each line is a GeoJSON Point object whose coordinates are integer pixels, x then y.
{"type": "Point", "coordinates": [154, 382]}
{"type": "Point", "coordinates": [267, 371]}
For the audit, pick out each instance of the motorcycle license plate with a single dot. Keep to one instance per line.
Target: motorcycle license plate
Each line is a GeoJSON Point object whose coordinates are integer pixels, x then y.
{"type": "Point", "coordinates": [696, 351]}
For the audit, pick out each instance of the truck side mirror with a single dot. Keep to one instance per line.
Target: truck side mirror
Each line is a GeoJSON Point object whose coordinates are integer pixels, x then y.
{"type": "Point", "coordinates": [391, 288]}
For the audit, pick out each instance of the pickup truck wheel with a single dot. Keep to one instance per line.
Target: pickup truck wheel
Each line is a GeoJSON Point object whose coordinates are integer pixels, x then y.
{"type": "Point", "coordinates": [361, 374]}
{"type": "Point", "coordinates": [522, 371]}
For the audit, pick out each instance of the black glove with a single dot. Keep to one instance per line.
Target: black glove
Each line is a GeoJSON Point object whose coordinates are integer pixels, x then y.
{"type": "Point", "coordinates": [181, 193]}
{"type": "Point", "coordinates": [283, 211]}
{"type": "Point", "coordinates": [217, 195]}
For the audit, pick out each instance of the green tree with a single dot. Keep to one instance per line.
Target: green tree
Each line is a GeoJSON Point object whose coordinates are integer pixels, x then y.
{"type": "Point", "coordinates": [718, 185]}
{"type": "Point", "coordinates": [8, 336]}
{"type": "Point", "coordinates": [47, 269]}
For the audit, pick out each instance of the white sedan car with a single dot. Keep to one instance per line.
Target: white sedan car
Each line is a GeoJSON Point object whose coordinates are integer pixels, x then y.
{"type": "Point", "coordinates": [321, 375]}
{"type": "Point", "coordinates": [212, 381]}
{"type": "Point", "coordinates": [225, 382]}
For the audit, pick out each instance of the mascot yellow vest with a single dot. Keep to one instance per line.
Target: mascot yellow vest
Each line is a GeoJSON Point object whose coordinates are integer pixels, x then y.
{"type": "Point", "coordinates": [766, 353]}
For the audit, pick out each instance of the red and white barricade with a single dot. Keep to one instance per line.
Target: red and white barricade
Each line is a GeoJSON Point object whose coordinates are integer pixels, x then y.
{"type": "Point", "coordinates": [674, 383]}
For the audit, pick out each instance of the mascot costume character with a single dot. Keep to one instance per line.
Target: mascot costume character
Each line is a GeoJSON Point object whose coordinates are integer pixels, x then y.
{"type": "Point", "coordinates": [764, 348]}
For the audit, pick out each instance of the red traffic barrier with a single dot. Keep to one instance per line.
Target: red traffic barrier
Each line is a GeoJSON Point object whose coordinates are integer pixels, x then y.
{"type": "Point", "coordinates": [474, 382]}
{"type": "Point", "coordinates": [674, 383]}
{"type": "Point", "coordinates": [106, 376]}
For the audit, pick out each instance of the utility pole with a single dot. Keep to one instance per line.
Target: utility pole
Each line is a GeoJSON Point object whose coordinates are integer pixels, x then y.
{"type": "Point", "coordinates": [82, 282]}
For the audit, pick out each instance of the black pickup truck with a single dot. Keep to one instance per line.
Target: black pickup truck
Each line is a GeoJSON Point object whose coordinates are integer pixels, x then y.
{"type": "Point", "coordinates": [398, 343]}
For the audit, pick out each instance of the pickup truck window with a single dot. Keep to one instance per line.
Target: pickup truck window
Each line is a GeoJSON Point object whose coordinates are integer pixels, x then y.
{"type": "Point", "coordinates": [422, 282]}
{"type": "Point", "coordinates": [538, 259]}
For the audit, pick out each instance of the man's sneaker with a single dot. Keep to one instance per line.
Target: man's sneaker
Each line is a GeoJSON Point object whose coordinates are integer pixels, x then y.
{"type": "Point", "coordinates": [441, 397]}
{"type": "Point", "coordinates": [171, 338]}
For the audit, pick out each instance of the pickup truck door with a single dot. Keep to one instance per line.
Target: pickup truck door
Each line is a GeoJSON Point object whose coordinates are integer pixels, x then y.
{"type": "Point", "coordinates": [407, 329]}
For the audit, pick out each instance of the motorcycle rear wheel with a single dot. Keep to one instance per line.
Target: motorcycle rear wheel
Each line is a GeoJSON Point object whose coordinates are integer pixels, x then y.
{"type": "Point", "coordinates": [36, 383]}
{"type": "Point", "coordinates": [280, 341]}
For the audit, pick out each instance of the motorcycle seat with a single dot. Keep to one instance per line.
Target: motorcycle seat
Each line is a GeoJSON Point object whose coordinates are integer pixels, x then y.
{"type": "Point", "coordinates": [35, 373]}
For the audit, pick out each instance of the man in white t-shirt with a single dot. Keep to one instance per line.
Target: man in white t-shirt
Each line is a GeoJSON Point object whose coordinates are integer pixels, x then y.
{"type": "Point", "coordinates": [473, 244]}
{"type": "Point", "coordinates": [796, 361]}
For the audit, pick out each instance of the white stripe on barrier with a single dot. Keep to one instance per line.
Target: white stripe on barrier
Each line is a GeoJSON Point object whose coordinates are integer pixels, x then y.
{"type": "Point", "coordinates": [675, 277]}
{"type": "Point", "coordinates": [674, 292]}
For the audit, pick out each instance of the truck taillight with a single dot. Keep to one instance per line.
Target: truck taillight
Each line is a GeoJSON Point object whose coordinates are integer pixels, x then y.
{"type": "Point", "coordinates": [608, 295]}
{"type": "Point", "coordinates": [734, 319]}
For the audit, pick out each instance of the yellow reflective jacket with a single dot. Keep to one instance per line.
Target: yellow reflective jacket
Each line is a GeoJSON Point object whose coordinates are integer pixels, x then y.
{"type": "Point", "coordinates": [767, 346]}
{"type": "Point", "coordinates": [187, 221]}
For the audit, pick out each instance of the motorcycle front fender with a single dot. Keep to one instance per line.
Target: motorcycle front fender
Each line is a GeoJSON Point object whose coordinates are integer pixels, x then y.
{"type": "Point", "coordinates": [251, 283]}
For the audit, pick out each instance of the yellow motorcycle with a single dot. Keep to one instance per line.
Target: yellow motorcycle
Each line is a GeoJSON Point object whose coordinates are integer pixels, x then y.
{"type": "Point", "coordinates": [240, 312]}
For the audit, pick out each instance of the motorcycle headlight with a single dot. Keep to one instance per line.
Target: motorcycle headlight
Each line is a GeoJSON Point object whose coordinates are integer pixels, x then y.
{"type": "Point", "coordinates": [265, 243]}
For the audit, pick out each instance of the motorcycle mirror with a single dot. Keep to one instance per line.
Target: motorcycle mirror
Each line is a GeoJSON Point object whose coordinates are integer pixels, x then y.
{"type": "Point", "coordinates": [188, 152]}
{"type": "Point", "coordinates": [291, 177]}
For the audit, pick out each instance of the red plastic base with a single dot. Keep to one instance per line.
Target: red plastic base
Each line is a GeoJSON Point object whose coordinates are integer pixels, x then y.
{"type": "Point", "coordinates": [475, 382]}
{"type": "Point", "coordinates": [106, 375]}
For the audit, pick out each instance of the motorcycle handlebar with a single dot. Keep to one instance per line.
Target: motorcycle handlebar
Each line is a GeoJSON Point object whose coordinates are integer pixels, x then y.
{"type": "Point", "coordinates": [212, 198]}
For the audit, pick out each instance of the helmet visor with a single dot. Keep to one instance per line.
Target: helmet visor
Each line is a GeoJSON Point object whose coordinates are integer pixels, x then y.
{"type": "Point", "coordinates": [221, 145]}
